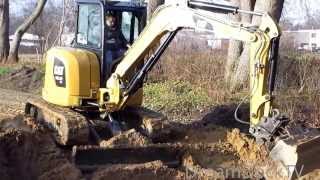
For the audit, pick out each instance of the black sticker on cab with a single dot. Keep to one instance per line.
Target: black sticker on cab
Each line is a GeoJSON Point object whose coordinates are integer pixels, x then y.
{"type": "Point", "coordinates": [59, 73]}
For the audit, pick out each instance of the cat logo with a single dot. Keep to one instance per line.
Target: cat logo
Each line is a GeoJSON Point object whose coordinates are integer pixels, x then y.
{"type": "Point", "coordinates": [59, 73]}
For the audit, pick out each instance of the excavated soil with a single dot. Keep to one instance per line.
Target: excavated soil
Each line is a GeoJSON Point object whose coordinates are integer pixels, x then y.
{"type": "Point", "coordinates": [130, 138]}
{"type": "Point", "coordinates": [25, 79]}
{"type": "Point", "coordinates": [151, 170]}
{"type": "Point", "coordinates": [32, 155]}
{"type": "Point", "coordinates": [28, 152]}
{"type": "Point", "coordinates": [208, 152]}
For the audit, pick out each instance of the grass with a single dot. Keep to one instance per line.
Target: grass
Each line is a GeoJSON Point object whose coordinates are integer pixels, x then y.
{"type": "Point", "coordinates": [176, 98]}
{"type": "Point", "coordinates": [185, 82]}
{"type": "Point", "coordinates": [4, 70]}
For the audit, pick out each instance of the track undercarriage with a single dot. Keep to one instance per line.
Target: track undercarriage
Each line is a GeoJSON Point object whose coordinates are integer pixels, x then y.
{"type": "Point", "coordinates": [85, 132]}
{"type": "Point", "coordinates": [68, 127]}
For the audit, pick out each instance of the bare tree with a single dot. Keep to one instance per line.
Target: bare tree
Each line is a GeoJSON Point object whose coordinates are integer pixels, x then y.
{"type": "Point", "coordinates": [235, 47]}
{"type": "Point", "coordinates": [274, 8]}
{"type": "Point", "coordinates": [152, 6]}
{"type": "Point", "coordinates": [13, 54]}
{"type": "Point", "coordinates": [242, 69]}
{"type": "Point", "coordinates": [4, 30]}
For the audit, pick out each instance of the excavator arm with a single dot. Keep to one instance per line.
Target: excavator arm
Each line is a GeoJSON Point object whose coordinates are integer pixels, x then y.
{"type": "Point", "coordinates": [166, 22]}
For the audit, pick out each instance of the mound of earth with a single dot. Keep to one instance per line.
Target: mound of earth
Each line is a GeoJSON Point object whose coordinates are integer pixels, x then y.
{"type": "Point", "coordinates": [33, 155]}
{"type": "Point", "coordinates": [208, 152]}
{"type": "Point", "coordinates": [130, 138]}
{"type": "Point", "coordinates": [25, 78]}
{"type": "Point", "coordinates": [151, 170]}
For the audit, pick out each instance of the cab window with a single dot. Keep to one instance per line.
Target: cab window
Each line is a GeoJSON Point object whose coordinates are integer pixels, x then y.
{"type": "Point", "coordinates": [89, 25]}
{"type": "Point", "coordinates": [129, 26]}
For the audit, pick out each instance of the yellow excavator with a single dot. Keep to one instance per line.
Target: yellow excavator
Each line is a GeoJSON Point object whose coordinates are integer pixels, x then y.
{"type": "Point", "coordinates": [84, 83]}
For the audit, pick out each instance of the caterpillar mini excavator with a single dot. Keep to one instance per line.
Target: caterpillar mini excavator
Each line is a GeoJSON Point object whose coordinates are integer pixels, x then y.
{"type": "Point", "coordinates": [82, 83]}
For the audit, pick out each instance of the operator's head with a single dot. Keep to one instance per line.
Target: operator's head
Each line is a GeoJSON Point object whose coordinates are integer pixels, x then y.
{"type": "Point", "coordinates": [111, 19]}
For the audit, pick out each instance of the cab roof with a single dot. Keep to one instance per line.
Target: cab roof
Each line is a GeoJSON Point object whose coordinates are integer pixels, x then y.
{"type": "Point", "coordinates": [117, 4]}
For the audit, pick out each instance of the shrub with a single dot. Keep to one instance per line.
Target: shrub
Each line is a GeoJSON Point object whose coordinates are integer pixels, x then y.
{"type": "Point", "coordinates": [4, 70]}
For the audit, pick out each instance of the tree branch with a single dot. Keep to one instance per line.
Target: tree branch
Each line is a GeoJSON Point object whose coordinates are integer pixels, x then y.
{"type": "Point", "coordinates": [13, 54]}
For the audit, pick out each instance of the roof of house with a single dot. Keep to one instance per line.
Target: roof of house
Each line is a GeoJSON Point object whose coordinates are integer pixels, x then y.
{"type": "Point", "coordinates": [28, 36]}
{"type": "Point", "coordinates": [303, 31]}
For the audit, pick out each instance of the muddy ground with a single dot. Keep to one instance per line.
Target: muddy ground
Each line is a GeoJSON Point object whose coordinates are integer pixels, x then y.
{"type": "Point", "coordinates": [28, 152]}
{"type": "Point", "coordinates": [25, 79]}
{"type": "Point", "coordinates": [211, 147]}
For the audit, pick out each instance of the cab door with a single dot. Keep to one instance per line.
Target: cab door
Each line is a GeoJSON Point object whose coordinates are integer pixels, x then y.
{"type": "Point", "coordinates": [90, 28]}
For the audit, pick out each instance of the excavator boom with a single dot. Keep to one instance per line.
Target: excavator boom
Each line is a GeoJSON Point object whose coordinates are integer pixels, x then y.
{"type": "Point", "coordinates": [169, 19]}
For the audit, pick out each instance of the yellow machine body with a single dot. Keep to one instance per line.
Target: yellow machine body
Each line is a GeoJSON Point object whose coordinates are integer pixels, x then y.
{"type": "Point", "coordinates": [71, 76]}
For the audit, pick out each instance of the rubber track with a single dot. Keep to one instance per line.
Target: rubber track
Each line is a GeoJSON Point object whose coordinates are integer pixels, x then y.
{"type": "Point", "coordinates": [69, 127]}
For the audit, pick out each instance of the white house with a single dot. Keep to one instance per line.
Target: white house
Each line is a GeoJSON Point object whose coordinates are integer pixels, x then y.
{"type": "Point", "coordinates": [307, 39]}
{"type": "Point", "coordinates": [29, 40]}
{"type": "Point", "coordinates": [30, 43]}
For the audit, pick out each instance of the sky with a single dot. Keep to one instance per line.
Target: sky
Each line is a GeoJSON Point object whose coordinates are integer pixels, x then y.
{"type": "Point", "coordinates": [294, 9]}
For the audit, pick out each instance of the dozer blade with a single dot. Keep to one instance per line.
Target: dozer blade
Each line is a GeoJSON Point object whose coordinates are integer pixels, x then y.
{"type": "Point", "coordinates": [88, 158]}
{"type": "Point", "coordinates": [299, 154]}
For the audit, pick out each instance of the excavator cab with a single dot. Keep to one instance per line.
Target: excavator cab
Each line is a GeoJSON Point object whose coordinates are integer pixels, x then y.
{"type": "Point", "coordinates": [108, 28]}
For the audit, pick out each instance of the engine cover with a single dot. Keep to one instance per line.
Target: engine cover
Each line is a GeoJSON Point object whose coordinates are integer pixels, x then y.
{"type": "Point", "coordinates": [71, 76]}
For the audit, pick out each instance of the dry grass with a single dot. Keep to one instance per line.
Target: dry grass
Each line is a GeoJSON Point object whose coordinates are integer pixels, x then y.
{"type": "Point", "coordinates": [199, 66]}
{"type": "Point", "coordinates": [201, 70]}
{"type": "Point", "coordinates": [297, 88]}
{"type": "Point", "coordinates": [31, 58]}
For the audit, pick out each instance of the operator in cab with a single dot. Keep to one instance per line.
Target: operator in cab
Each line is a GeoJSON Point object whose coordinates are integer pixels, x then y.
{"type": "Point", "coordinates": [116, 43]}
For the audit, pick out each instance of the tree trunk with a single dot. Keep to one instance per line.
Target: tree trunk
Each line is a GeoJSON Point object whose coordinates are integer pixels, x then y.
{"type": "Point", "coordinates": [13, 54]}
{"type": "Point", "coordinates": [152, 6]}
{"type": "Point", "coordinates": [274, 8]}
{"type": "Point", "coordinates": [235, 48]}
{"type": "Point", "coordinates": [249, 6]}
{"type": "Point", "coordinates": [4, 30]}
{"type": "Point", "coordinates": [242, 68]}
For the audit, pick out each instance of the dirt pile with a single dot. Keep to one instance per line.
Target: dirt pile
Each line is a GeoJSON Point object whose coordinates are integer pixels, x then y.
{"type": "Point", "coordinates": [255, 157]}
{"type": "Point", "coordinates": [193, 169]}
{"type": "Point", "coordinates": [130, 138]}
{"type": "Point", "coordinates": [246, 148]}
{"type": "Point", "coordinates": [151, 170]}
{"type": "Point", "coordinates": [206, 151]}
{"type": "Point", "coordinates": [26, 79]}
{"type": "Point", "coordinates": [18, 122]}
{"type": "Point", "coordinates": [33, 155]}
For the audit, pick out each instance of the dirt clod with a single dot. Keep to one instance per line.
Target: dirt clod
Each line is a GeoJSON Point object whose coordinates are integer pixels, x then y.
{"type": "Point", "coordinates": [33, 155]}
{"type": "Point", "coordinates": [129, 138]}
{"type": "Point", "coordinates": [247, 150]}
{"type": "Point", "coordinates": [152, 170]}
